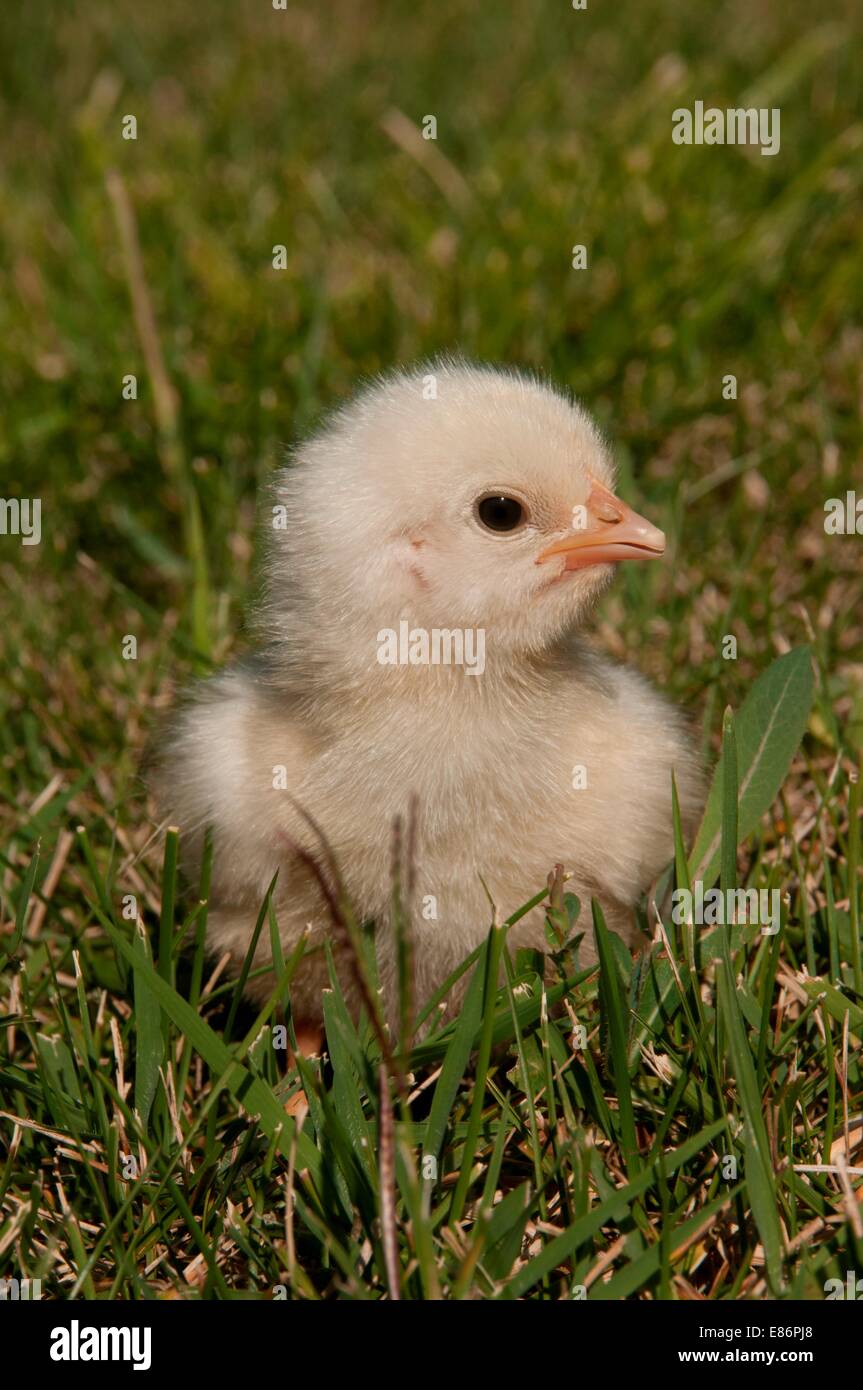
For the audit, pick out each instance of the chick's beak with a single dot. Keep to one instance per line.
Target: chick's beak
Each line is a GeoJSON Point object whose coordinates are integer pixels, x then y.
{"type": "Point", "coordinates": [612, 532]}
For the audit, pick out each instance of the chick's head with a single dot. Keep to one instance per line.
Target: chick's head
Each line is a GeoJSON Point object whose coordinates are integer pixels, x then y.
{"type": "Point", "coordinates": [454, 496]}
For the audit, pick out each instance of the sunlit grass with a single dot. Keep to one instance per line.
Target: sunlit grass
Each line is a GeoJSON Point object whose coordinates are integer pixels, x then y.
{"type": "Point", "coordinates": [518, 1160]}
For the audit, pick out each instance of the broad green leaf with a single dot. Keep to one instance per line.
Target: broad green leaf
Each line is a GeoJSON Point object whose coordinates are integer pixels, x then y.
{"type": "Point", "coordinates": [768, 730]}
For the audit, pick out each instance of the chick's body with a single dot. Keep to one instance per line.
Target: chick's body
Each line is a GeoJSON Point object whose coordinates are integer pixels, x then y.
{"type": "Point", "coordinates": [551, 755]}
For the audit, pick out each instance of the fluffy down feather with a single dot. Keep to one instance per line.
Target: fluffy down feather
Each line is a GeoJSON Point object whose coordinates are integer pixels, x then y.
{"type": "Point", "coordinates": [382, 526]}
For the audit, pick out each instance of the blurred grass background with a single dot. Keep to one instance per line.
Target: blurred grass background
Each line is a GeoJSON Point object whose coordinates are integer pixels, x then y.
{"type": "Point", "coordinates": [259, 128]}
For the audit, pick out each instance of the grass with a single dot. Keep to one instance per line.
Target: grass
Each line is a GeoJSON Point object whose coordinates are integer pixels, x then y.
{"type": "Point", "coordinates": [665, 1128]}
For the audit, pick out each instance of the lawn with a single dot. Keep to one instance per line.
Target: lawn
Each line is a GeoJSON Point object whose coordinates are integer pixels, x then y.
{"type": "Point", "coordinates": [707, 1138]}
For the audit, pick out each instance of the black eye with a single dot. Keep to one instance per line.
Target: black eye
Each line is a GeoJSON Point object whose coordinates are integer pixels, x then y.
{"type": "Point", "coordinates": [499, 513]}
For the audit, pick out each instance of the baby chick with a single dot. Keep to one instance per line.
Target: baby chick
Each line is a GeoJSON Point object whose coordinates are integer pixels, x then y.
{"type": "Point", "coordinates": [454, 499]}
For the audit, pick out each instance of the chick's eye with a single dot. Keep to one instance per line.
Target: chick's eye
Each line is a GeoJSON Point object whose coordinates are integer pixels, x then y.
{"type": "Point", "coordinates": [499, 513]}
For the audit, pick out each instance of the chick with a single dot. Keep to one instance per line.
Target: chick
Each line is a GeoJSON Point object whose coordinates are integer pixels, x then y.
{"type": "Point", "coordinates": [458, 500]}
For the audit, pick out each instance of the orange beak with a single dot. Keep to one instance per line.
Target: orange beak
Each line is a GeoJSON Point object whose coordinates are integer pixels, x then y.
{"type": "Point", "coordinates": [612, 532]}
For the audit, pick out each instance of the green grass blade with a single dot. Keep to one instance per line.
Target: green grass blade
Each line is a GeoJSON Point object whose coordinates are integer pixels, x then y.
{"type": "Point", "coordinates": [612, 1006]}
{"type": "Point", "coordinates": [758, 1168]}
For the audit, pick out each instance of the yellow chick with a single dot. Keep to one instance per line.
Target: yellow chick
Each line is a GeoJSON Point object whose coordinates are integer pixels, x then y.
{"type": "Point", "coordinates": [430, 556]}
